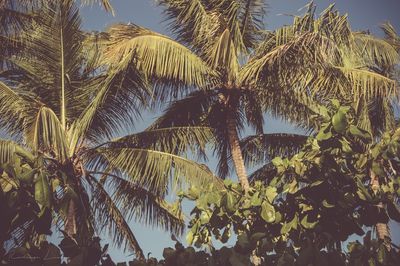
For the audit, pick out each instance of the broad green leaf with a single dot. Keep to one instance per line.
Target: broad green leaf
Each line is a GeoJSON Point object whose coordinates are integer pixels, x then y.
{"type": "Point", "coordinates": [339, 121]}
{"type": "Point", "coordinates": [229, 202]}
{"type": "Point", "coordinates": [42, 190]}
{"type": "Point", "coordinates": [255, 199]}
{"type": "Point", "coordinates": [267, 212]}
{"type": "Point", "coordinates": [271, 193]}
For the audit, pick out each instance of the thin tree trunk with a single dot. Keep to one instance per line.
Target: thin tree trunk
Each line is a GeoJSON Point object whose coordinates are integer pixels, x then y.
{"type": "Point", "coordinates": [70, 221]}
{"type": "Point", "coordinates": [382, 229]}
{"type": "Point", "coordinates": [62, 111]}
{"type": "Point", "coordinates": [237, 153]}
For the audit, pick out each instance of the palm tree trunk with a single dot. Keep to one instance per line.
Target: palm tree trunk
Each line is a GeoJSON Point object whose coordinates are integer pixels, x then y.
{"type": "Point", "coordinates": [70, 221]}
{"type": "Point", "coordinates": [382, 229]}
{"type": "Point", "coordinates": [237, 153]}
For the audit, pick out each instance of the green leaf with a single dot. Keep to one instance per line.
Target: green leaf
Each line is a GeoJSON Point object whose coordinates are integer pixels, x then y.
{"type": "Point", "coordinates": [324, 134]}
{"type": "Point", "coordinates": [228, 183]}
{"type": "Point", "coordinates": [256, 200]}
{"type": "Point", "coordinates": [317, 183]}
{"type": "Point", "coordinates": [243, 240]}
{"type": "Point", "coordinates": [306, 224]}
{"type": "Point", "coordinates": [42, 190]}
{"type": "Point", "coordinates": [271, 193]}
{"type": "Point", "coordinates": [339, 121]}
{"type": "Point", "coordinates": [358, 132]}
{"type": "Point", "coordinates": [229, 202]}
{"type": "Point", "coordinates": [267, 212]}
{"type": "Point", "coordinates": [189, 237]}
{"type": "Point", "coordinates": [346, 146]}
{"type": "Point", "coordinates": [204, 217]}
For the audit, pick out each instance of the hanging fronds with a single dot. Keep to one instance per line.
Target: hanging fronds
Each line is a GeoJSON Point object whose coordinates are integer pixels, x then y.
{"type": "Point", "coordinates": [46, 134]}
{"type": "Point", "coordinates": [110, 216]}
{"type": "Point", "coordinates": [141, 205]}
{"type": "Point", "coordinates": [152, 169]}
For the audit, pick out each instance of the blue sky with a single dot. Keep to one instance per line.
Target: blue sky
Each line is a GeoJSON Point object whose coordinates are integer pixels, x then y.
{"type": "Point", "coordinates": [363, 14]}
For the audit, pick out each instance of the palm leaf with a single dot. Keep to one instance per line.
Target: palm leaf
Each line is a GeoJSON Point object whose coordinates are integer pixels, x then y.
{"type": "Point", "coordinates": [192, 22]}
{"type": "Point", "coordinates": [47, 135]}
{"type": "Point", "coordinates": [161, 59]}
{"type": "Point", "coordinates": [10, 149]}
{"type": "Point", "coordinates": [16, 109]}
{"type": "Point", "coordinates": [375, 51]}
{"type": "Point", "coordinates": [189, 111]}
{"type": "Point", "coordinates": [49, 65]}
{"type": "Point", "coordinates": [151, 169]}
{"type": "Point", "coordinates": [264, 147]}
{"type": "Point", "coordinates": [140, 204]}
{"type": "Point", "coordinates": [265, 173]}
{"type": "Point", "coordinates": [175, 140]}
{"type": "Point", "coordinates": [105, 3]}
{"type": "Point", "coordinates": [109, 215]}
{"type": "Point", "coordinates": [251, 22]}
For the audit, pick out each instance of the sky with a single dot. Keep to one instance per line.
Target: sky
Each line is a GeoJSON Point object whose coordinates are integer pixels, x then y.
{"type": "Point", "coordinates": [363, 15]}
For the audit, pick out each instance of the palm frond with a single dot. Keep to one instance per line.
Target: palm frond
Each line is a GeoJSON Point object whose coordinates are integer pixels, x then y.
{"type": "Point", "coordinates": [141, 205]}
{"type": "Point", "coordinates": [251, 22]}
{"type": "Point", "coordinates": [253, 109]}
{"type": "Point", "coordinates": [116, 100]}
{"type": "Point", "coordinates": [222, 56]}
{"type": "Point", "coordinates": [10, 149]}
{"type": "Point", "coordinates": [368, 84]}
{"type": "Point", "coordinates": [151, 169]}
{"type": "Point", "coordinates": [189, 111]}
{"type": "Point", "coordinates": [265, 173]}
{"type": "Point", "coordinates": [17, 108]}
{"type": "Point", "coordinates": [287, 64]}
{"type": "Point", "coordinates": [47, 135]}
{"type": "Point", "coordinates": [109, 215]}
{"type": "Point", "coordinates": [49, 65]}
{"type": "Point", "coordinates": [192, 22]}
{"type": "Point", "coordinates": [175, 140]}
{"type": "Point", "coordinates": [264, 147]}
{"type": "Point", "coordinates": [167, 63]}
{"type": "Point", "coordinates": [391, 35]}
{"type": "Point", "coordinates": [375, 51]}
{"type": "Point", "coordinates": [105, 3]}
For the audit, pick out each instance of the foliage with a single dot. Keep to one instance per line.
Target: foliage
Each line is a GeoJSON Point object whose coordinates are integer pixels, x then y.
{"type": "Point", "coordinates": [317, 199]}
{"type": "Point", "coordinates": [66, 108]}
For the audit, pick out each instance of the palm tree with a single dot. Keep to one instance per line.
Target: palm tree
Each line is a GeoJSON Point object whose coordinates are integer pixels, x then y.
{"type": "Point", "coordinates": [285, 71]}
{"type": "Point", "coordinates": [365, 54]}
{"type": "Point", "coordinates": [65, 109]}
